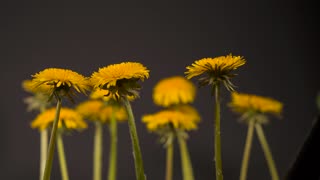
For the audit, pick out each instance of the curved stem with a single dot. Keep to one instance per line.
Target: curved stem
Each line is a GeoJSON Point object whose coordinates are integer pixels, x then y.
{"type": "Point", "coordinates": [113, 148]}
{"type": "Point", "coordinates": [135, 142]}
{"type": "Point", "coordinates": [217, 132]}
{"type": "Point", "coordinates": [267, 152]}
{"type": "Point", "coordinates": [246, 153]}
{"type": "Point", "coordinates": [169, 163]}
{"type": "Point", "coordinates": [52, 143]}
{"type": "Point", "coordinates": [185, 159]}
{"type": "Point", "coordinates": [97, 152]}
{"type": "Point", "coordinates": [62, 157]}
{"type": "Point", "coordinates": [43, 150]}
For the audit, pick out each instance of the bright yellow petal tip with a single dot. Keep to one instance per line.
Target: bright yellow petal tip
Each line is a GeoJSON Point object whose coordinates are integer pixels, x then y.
{"type": "Point", "coordinates": [243, 103]}
{"type": "Point", "coordinates": [95, 110]}
{"type": "Point", "coordinates": [174, 90]}
{"type": "Point", "coordinates": [29, 86]}
{"type": "Point", "coordinates": [60, 79]}
{"type": "Point", "coordinates": [68, 117]}
{"type": "Point", "coordinates": [183, 117]}
{"type": "Point", "coordinates": [214, 66]}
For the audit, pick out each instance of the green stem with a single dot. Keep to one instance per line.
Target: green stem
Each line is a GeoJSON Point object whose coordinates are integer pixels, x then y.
{"type": "Point", "coordinates": [217, 132]}
{"type": "Point", "coordinates": [97, 152]}
{"type": "Point", "coordinates": [52, 143]}
{"type": "Point", "coordinates": [169, 165]}
{"type": "Point", "coordinates": [43, 150]}
{"type": "Point", "coordinates": [62, 157]}
{"type": "Point", "coordinates": [246, 153]}
{"type": "Point", "coordinates": [113, 148]}
{"type": "Point", "coordinates": [185, 159]}
{"type": "Point", "coordinates": [267, 152]}
{"type": "Point", "coordinates": [135, 142]}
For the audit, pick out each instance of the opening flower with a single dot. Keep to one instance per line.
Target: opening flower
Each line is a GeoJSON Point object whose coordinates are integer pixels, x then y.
{"type": "Point", "coordinates": [95, 110]}
{"type": "Point", "coordinates": [183, 117]}
{"type": "Point", "coordinates": [69, 119]}
{"type": "Point", "coordinates": [243, 103]}
{"type": "Point", "coordinates": [60, 81]}
{"type": "Point", "coordinates": [174, 90]}
{"type": "Point", "coordinates": [217, 69]}
{"type": "Point", "coordinates": [120, 79]}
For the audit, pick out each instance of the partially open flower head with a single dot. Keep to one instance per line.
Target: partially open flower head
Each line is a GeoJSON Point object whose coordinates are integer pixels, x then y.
{"type": "Point", "coordinates": [60, 81]}
{"type": "Point", "coordinates": [121, 80]}
{"type": "Point", "coordinates": [182, 117]}
{"type": "Point", "coordinates": [174, 91]}
{"type": "Point", "coordinates": [253, 104]}
{"type": "Point", "coordinates": [69, 120]}
{"type": "Point", "coordinates": [216, 70]}
{"type": "Point", "coordinates": [39, 99]}
{"type": "Point", "coordinates": [96, 110]}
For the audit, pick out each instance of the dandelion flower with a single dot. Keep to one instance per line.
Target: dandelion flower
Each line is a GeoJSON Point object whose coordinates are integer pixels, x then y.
{"type": "Point", "coordinates": [61, 81]}
{"type": "Point", "coordinates": [184, 117]}
{"type": "Point", "coordinates": [248, 102]}
{"type": "Point", "coordinates": [217, 70]}
{"type": "Point", "coordinates": [69, 119]}
{"type": "Point", "coordinates": [253, 109]}
{"type": "Point", "coordinates": [174, 90]}
{"type": "Point", "coordinates": [104, 95]}
{"type": "Point", "coordinates": [120, 79]}
{"type": "Point", "coordinates": [95, 110]}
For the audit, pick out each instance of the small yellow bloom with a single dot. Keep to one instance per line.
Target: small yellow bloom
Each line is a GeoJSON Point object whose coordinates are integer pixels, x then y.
{"type": "Point", "coordinates": [96, 110]}
{"type": "Point", "coordinates": [69, 119]}
{"type": "Point", "coordinates": [211, 65]}
{"type": "Point", "coordinates": [183, 117]}
{"type": "Point", "coordinates": [174, 90]}
{"type": "Point", "coordinates": [246, 102]}
{"type": "Point", "coordinates": [61, 80]}
{"type": "Point", "coordinates": [217, 70]}
{"type": "Point", "coordinates": [120, 79]}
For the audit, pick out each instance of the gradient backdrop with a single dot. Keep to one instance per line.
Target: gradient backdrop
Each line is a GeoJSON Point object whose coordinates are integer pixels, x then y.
{"type": "Point", "coordinates": [277, 38]}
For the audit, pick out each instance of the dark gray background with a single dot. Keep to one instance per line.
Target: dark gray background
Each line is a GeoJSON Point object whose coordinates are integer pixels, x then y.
{"type": "Point", "coordinates": [277, 38]}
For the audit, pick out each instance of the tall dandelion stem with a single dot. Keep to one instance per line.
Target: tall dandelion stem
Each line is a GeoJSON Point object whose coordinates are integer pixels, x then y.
{"type": "Point", "coordinates": [217, 132]}
{"type": "Point", "coordinates": [267, 152]}
{"type": "Point", "coordinates": [169, 163]}
{"type": "Point", "coordinates": [185, 159]}
{"type": "Point", "coordinates": [97, 152]}
{"type": "Point", "coordinates": [113, 148]}
{"type": "Point", "coordinates": [62, 157]}
{"type": "Point", "coordinates": [246, 153]}
{"type": "Point", "coordinates": [135, 142]}
{"type": "Point", "coordinates": [52, 143]}
{"type": "Point", "coordinates": [43, 150]}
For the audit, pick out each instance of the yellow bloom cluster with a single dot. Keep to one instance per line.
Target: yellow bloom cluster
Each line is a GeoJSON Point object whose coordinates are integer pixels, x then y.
{"type": "Point", "coordinates": [60, 79]}
{"type": "Point", "coordinates": [212, 65]}
{"type": "Point", "coordinates": [246, 102]}
{"type": "Point", "coordinates": [96, 110]}
{"type": "Point", "coordinates": [182, 117]}
{"type": "Point", "coordinates": [69, 118]}
{"type": "Point", "coordinates": [173, 90]}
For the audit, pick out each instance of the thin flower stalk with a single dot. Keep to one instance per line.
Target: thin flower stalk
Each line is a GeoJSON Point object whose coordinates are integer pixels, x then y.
{"type": "Point", "coordinates": [62, 157]}
{"type": "Point", "coordinates": [247, 149]}
{"type": "Point", "coordinates": [113, 148]}
{"type": "Point", "coordinates": [187, 170]}
{"type": "Point", "coordinates": [97, 152]}
{"type": "Point", "coordinates": [169, 161]}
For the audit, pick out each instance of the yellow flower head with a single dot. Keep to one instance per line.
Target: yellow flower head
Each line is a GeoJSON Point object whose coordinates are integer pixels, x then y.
{"type": "Point", "coordinates": [217, 69]}
{"type": "Point", "coordinates": [60, 80]}
{"type": "Point", "coordinates": [243, 103]}
{"type": "Point", "coordinates": [69, 119]}
{"type": "Point", "coordinates": [29, 86]}
{"type": "Point", "coordinates": [174, 90]}
{"type": "Point", "coordinates": [96, 110]}
{"type": "Point", "coordinates": [103, 94]}
{"type": "Point", "coordinates": [183, 117]}
{"type": "Point", "coordinates": [120, 79]}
